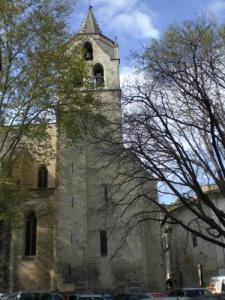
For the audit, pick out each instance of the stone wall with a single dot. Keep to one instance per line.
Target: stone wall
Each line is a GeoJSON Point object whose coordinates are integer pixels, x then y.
{"type": "Point", "coordinates": [34, 272]}
{"type": "Point", "coordinates": [5, 237]}
{"type": "Point", "coordinates": [184, 257]}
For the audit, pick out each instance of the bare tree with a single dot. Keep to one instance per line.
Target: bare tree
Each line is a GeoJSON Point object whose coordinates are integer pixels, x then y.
{"type": "Point", "coordinates": [174, 131]}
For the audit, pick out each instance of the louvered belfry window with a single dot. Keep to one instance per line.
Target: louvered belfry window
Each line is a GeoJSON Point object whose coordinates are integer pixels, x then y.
{"type": "Point", "coordinates": [88, 51]}
{"type": "Point", "coordinates": [98, 73]}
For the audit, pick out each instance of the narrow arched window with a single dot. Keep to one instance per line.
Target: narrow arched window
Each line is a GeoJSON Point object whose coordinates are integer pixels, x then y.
{"type": "Point", "coordinates": [98, 74]}
{"type": "Point", "coordinates": [30, 235]}
{"type": "Point", "coordinates": [42, 177]}
{"type": "Point", "coordinates": [88, 51]}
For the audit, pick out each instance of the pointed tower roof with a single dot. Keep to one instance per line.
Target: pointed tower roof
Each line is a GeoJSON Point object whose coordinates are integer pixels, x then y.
{"type": "Point", "coordinates": [90, 24]}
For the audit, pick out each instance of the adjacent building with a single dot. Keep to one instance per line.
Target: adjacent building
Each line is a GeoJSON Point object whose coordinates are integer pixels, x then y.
{"type": "Point", "coordinates": [188, 259]}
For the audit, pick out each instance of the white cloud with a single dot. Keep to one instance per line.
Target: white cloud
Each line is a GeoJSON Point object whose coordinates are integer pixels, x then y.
{"type": "Point", "coordinates": [130, 76]}
{"type": "Point", "coordinates": [217, 6]}
{"type": "Point", "coordinates": [126, 75]}
{"type": "Point", "coordinates": [130, 17]}
{"type": "Point", "coordinates": [137, 24]}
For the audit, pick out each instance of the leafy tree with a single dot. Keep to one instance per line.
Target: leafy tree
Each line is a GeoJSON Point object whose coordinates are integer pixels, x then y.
{"type": "Point", "coordinates": [41, 73]}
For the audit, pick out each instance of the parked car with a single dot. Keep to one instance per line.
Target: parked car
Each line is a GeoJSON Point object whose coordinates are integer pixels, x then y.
{"type": "Point", "coordinates": [132, 297]}
{"type": "Point", "coordinates": [134, 290]}
{"type": "Point", "coordinates": [211, 297]}
{"type": "Point", "coordinates": [29, 295]}
{"type": "Point", "coordinates": [34, 295]}
{"type": "Point", "coordinates": [57, 296]}
{"type": "Point", "coordinates": [187, 292]}
{"type": "Point", "coordinates": [156, 294]}
{"type": "Point", "coordinates": [4, 297]}
{"type": "Point", "coordinates": [217, 284]}
{"type": "Point", "coordinates": [85, 296]}
{"type": "Point", "coordinates": [106, 295]}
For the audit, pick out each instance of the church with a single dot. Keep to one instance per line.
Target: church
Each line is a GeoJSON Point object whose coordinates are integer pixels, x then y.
{"type": "Point", "coordinates": [65, 241]}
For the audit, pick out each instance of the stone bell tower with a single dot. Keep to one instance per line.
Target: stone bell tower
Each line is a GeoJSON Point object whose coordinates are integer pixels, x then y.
{"type": "Point", "coordinates": [84, 245]}
{"type": "Point", "coordinates": [82, 187]}
{"type": "Point", "coordinates": [102, 55]}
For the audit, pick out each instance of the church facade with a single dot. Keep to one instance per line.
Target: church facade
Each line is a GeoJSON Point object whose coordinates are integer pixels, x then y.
{"type": "Point", "coordinates": [64, 240]}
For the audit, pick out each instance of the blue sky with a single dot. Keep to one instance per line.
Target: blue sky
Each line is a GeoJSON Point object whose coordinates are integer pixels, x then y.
{"type": "Point", "coordinates": [135, 22]}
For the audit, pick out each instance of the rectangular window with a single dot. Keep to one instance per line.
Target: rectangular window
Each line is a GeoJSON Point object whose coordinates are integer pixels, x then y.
{"type": "Point", "coordinates": [194, 240]}
{"type": "Point", "coordinates": [106, 193]}
{"type": "Point", "coordinates": [70, 270]}
{"type": "Point", "coordinates": [72, 202]}
{"type": "Point", "coordinates": [181, 278]}
{"type": "Point", "coordinates": [72, 168]}
{"type": "Point", "coordinates": [71, 238]}
{"type": "Point", "coordinates": [165, 242]}
{"type": "Point", "coordinates": [103, 243]}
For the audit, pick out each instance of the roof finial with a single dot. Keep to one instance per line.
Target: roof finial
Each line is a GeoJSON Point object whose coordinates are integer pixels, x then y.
{"type": "Point", "coordinates": [90, 6]}
{"type": "Point", "coordinates": [90, 24]}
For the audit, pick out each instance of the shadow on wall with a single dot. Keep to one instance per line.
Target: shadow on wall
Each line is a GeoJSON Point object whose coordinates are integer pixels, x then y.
{"type": "Point", "coordinates": [33, 270]}
{"type": "Point", "coordinates": [32, 175]}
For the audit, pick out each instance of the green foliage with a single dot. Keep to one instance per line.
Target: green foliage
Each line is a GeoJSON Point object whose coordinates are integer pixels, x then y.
{"type": "Point", "coordinates": [11, 195]}
{"type": "Point", "coordinates": [41, 82]}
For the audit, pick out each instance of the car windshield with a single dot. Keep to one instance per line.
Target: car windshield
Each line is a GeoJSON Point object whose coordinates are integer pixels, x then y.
{"type": "Point", "coordinates": [35, 296]}
{"type": "Point", "coordinates": [133, 297]}
{"type": "Point", "coordinates": [137, 297]}
{"type": "Point", "coordinates": [29, 296]}
{"type": "Point", "coordinates": [195, 292]}
{"type": "Point", "coordinates": [46, 297]}
{"type": "Point", "coordinates": [107, 296]}
{"type": "Point", "coordinates": [85, 297]}
{"type": "Point", "coordinates": [57, 297]}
